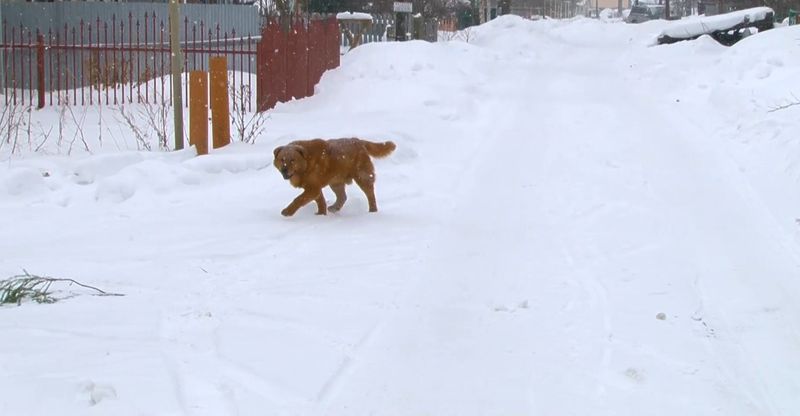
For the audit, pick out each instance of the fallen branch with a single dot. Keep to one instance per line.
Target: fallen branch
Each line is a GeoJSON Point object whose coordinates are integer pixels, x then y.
{"type": "Point", "coordinates": [26, 286]}
{"type": "Point", "coordinates": [785, 106]}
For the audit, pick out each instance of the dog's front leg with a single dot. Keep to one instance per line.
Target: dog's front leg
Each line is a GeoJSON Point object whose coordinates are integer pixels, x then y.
{"type": "Point", "coordinates": [307, 196]}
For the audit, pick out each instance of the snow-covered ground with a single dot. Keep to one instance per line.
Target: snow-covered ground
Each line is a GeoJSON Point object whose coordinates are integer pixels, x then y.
{"type": "Point", "coordinates": [574, 223]}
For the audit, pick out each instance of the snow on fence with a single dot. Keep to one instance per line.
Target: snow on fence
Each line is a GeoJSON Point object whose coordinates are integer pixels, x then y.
{"type": "Point", "coordinates": [377, 31]}
{"type": "Point", "coordinates": [111, 62]}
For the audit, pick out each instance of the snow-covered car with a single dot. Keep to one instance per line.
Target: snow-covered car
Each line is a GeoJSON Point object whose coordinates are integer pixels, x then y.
{"type": "Point", "coordinates": [644, 12]}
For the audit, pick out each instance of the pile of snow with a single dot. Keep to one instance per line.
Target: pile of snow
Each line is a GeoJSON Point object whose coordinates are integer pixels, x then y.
{"type": "Point", "coordinates": [609, 15]}
{"type": "Point", "coordinates": [573, 222]}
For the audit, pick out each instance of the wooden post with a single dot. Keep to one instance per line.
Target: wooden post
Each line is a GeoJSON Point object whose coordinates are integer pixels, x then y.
{"type": "Point", "coordinates": [198, 111]}
{"type": "Point", "coordinates": [2, 52]}
{"type": "Point", "coordinates": [218, 86]}
{"type": "Point", "coordinates": [177, 70]}
{"type": "Point", "coordinates": [261, 70]}
{"type": "Point", "coordinates": [40, 70]}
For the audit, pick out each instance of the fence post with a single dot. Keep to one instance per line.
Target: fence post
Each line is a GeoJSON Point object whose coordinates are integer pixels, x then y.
{"type": "Point", "coordinates": [275, 64]}
{"type": "Point", "coordinates": [316, 50]}
{"type": "Point", "coordinates": [297, 65]}
{"type": "Point", "coordinates": [220, 113]}
{"type": "Point", "coordinates": [262, 82]}
{"type": "Point", "coordinates": [273, 29]}
{"type": "Point", "coordinates": [198, 111]}
{"type": "Point", "coordinates": [333, 42]}
{"type": "Point", "coordinates": [176, 67]}
{"type": "Point", "coordinates": [40, 69]}
{"type": "Point", "coordinates": [281, 56]}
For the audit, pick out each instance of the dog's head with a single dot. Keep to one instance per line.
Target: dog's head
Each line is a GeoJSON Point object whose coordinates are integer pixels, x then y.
{"type": "Point", "coordinates": [290, 161]}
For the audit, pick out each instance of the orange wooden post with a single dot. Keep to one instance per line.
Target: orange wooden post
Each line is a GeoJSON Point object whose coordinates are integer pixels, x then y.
{"type": "Point", "coordinates": [220, 116]}
{"type": "Point", "coordinates": [198, 111]}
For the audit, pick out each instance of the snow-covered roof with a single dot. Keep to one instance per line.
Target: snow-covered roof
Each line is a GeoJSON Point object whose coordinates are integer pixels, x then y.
{"type": "Point", "coordinates": [690, 28]}
{"type": "Point", "coordinates": [354, 16]}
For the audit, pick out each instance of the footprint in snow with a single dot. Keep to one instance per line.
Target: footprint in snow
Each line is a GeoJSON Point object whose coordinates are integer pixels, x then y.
{"type": "Point", "coordinates": [503, 308]}
{"type": "Point", "coordinates": [96, 393]}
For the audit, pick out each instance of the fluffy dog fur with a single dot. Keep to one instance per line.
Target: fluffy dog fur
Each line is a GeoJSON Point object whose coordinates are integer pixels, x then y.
{"type": "Point", "coordinates": [315, 164]}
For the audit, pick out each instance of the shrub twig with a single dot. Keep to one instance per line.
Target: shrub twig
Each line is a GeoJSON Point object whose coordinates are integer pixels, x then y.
{"type": "Point", "coordinates": [248, 126]}
{"type": "Point", "coordinates": [785, 106]}
{"type": "Point", "coordinates": [26, 286]}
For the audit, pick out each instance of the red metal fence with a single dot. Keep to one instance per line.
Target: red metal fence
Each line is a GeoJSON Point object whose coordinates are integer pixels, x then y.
{"type": "Point", "coordinates": [128, 60]}
{"type": "Point", "coordinates": [294, 60]}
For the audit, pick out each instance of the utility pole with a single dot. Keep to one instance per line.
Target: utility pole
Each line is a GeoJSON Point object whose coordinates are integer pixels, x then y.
{"type": "Point", "coordinates": [177, 70]}
{"type": "Point", "coordinates": [2, 50]}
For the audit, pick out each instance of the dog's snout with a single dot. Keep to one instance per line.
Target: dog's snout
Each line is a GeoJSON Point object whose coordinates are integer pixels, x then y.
{"type": "Point", "coordinates": [285, 173]}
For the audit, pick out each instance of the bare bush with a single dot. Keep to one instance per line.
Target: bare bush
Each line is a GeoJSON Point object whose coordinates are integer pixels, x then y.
{"type": "Point", "coordinates": [44, 136]}
{"type": "Point", "coordinates": [12, 124]}
{"type": "Point", "coordinates": [247, 125]}
{"type": "Point", "coordinates": [21, 131]}
{"type": "Point", "coordinates": [108, 73]}
{"type": "Point", "coordinates": [17, 125]}
{"type": "Point", "coordinates": [77, 121]}
{"type": "Point", "coordinates": [148, 121]}
{"type": "Point", "coordinates": [467, 35]}
{"type": "Point", "coordinates": [138, 130]}
{"type": "Point", "coordinates": [63, 102]}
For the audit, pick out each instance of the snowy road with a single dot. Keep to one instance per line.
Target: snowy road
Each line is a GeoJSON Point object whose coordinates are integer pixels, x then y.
{"type": "Point", "coordinates": [566, 228]}
{"type": "Point", "coordinates": [573, 237]}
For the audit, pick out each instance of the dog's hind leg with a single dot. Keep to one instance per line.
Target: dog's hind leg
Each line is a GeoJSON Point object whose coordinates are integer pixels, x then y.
{"type": "Point", "coordinates": [366, 182]}
{"type": "Point", "coordinates": [341, 197]}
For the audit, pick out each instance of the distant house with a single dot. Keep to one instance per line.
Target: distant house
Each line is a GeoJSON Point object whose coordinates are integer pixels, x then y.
{"type": "Point", "coordinates": [712, 7]}
{"type": "Point", "coordinates": [552, 8]}
{"type": "Point", "coordinates": [525, 8]}
{"type": "Point", "coordinates": [609, 4]}
{"type": "Point", "coordinates": [149, 1]}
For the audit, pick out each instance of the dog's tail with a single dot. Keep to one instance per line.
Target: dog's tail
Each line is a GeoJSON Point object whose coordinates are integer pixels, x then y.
{"type": "Point", "coordinates": [379, 149]}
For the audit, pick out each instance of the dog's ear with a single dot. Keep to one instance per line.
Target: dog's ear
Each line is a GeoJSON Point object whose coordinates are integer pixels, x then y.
{"type": "Point", "coordinates": [300, 149]}
{"type": "Point", "coordinates": [277, 150]}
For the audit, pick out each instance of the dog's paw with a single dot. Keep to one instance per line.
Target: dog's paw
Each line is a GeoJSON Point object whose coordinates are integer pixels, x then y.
{"type": "Point", "coordinates": [333, 209]}
{"type": "Point", "coordinates": [322, 213]}
{"type": "Point", "coordinates": [287, 212]}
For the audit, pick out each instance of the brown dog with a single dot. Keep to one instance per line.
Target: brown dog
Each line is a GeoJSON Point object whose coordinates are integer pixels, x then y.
{"type": "Point", "coordinates": [315, 164]}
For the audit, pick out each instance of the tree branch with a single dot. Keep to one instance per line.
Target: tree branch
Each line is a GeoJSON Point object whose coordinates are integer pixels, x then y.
{"type": "Point", "coordinates": [785, 106]}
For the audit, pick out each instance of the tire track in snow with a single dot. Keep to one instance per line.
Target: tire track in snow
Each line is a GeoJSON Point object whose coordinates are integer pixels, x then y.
{"type": "Point", "coordinates": [598, 295]}
{"type": "Point", "coordinates": [204, 380]}
{"type": "Point", "coordinates": [727, 219]}
{"type": "Point", "coordinates": [427, 304]}
{"type": "Point", "coordinates": [334, 382]}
